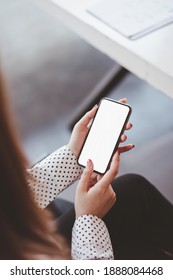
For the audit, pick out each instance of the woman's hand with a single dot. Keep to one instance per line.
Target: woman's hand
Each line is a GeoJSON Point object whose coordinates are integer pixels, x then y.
{"type": "Point", "coordinates": [96, 199]}
{"type": "Point", "coordinates": [81, 128]}
{"type": "Point", "coordinates": [80, 131]}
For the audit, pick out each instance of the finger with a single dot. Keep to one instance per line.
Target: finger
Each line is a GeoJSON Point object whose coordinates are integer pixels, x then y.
{"type": "Point", "coordinates": [94, 175]}
{"type": "Point", "coordinates": [123, 138]}
{"type": "Point", "coordinates": [93, 182]}
{"type": "Point", "coordinates": [99, 177]}
{"type": "Point", "coordinates": [93, 179]}
{"type": "Point", "coordinates": [126, 148]}
{"type": "Point", "coordinates": [84, 121]}
{"type": "Point", "coordinates": [123, 100]}
{"type": "Point", "coordinates": [86, 176]}
{"type": "Point", "coordinates": [109, 176]}
{"type": "Point", "coordinates": [128, 126]}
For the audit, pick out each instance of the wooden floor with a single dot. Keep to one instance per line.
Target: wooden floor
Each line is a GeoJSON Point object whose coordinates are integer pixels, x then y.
{"type": "Point", "coordinates": [50, 71]}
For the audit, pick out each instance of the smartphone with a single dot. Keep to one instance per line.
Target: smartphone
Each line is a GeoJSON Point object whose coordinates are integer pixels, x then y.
{"type": "Point", "coordinates": [104, 134]}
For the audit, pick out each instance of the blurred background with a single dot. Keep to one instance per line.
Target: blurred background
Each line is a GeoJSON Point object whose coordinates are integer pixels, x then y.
{"type": "Point", "coordinates": [50, 71]}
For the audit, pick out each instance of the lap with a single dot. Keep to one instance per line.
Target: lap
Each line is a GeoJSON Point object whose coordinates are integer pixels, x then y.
{"type": "Point", "coordinates": [130, 221]}
{"type": "Point", "coordinates": [141, 221]}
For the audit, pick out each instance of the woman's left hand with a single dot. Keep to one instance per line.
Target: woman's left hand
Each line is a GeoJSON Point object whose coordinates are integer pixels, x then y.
{"type": "Point", "coordinates": [81, 128]}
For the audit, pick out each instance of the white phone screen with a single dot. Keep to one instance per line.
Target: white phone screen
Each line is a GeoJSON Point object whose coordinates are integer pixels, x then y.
{"type": "Point", "coordinates": [104, 134]}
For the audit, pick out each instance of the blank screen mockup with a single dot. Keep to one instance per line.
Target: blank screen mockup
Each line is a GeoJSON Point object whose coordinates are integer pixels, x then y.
{"type": "Point", "coordinates": [104, 134]}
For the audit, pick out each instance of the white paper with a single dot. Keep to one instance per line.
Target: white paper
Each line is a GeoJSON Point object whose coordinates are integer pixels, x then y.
{"type": "Point", "coordinates": [134, 18]}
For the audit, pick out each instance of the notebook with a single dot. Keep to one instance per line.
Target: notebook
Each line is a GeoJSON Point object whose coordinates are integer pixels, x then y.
{"type": "Point", "coordinates": [134, 18]}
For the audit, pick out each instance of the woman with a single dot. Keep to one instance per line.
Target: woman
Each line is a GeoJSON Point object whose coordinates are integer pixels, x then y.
{"type": "Point", "coordinates": [27, 232]}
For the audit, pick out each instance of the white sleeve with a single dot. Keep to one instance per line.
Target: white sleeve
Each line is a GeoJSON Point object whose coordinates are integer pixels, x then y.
{"type": "Point", "coordinates": [52, 175]}
{"type": "Point", "coordinates": [90, 239]}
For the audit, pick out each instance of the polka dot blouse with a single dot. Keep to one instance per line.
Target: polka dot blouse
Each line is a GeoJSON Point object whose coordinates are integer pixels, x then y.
{"type": "Point", "coordinates": [90, 237]}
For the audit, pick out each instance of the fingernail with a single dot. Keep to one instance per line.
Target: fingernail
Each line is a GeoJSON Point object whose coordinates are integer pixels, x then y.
{"type": "Point", "coordinates": [89, 163]}
{"type": "Point", "coordinates": [125, 99]}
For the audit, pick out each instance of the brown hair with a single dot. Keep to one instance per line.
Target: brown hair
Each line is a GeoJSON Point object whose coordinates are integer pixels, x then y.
{"type": "Point", "coordinates": [26, 232]}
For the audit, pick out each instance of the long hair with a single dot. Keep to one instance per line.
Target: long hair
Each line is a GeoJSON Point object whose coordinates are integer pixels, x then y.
{"type": "Point", "coordinates": [26, 232]}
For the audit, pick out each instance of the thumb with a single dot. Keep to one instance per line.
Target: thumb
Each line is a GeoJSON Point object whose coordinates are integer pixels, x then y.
{"type": "Point", "coordinates": [84, 121]}
{"type": "Point", "coordinates": [86, 176]}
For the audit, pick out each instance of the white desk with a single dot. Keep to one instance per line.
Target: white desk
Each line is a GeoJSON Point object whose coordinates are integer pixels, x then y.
{"type": "Point", "coordinates": [150, 57]}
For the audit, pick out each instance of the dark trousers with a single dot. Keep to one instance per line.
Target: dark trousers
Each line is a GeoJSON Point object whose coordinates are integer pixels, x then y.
{"type": "Point", "coordinates": [140, 223]}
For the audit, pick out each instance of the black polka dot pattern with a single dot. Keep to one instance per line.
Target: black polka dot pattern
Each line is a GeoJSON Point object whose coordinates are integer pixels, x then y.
{"type": "Point", "coordinates": [53, 175]}
{"type": "Point", "coordinates": [90, 239]}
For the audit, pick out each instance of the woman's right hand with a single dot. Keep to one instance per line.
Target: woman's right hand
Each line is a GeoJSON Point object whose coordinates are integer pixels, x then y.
{"type": "Point", "coordinates": [99, 198]}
